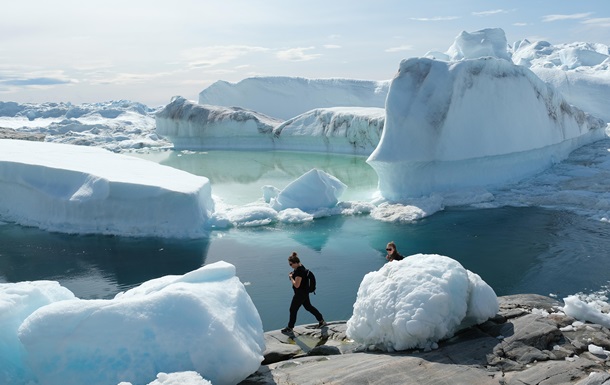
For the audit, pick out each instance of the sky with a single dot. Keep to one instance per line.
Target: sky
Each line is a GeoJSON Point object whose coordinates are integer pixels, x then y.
{"type": "Point", "coordinates": [149, 51]}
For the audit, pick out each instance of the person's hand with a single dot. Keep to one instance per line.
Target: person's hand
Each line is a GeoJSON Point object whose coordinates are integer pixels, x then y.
{"type": "Point", "coordinates": [387, 257]}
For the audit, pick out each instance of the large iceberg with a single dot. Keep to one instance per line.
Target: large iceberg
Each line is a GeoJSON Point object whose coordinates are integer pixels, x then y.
{"type": "Point", "coordinates": [479, 122]}
{"type": "Point", "coordinates": [202, 321]}
{"type": "Point", "coordinates": [285, 97]}
{"type": "Point", "coordinates": [418, 301]}
{"type": "Point", "coordinates": [192, 126]}
{"type": "Point", "coordinates": [78, 189]}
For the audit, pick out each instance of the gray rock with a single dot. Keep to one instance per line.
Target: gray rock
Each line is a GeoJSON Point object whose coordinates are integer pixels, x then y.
{"type": "Point", "coordinates": [521, 345]}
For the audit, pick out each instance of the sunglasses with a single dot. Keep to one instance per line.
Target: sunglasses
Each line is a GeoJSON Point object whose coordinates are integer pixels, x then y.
{"type": "Point", "coordinates": [389, 249]}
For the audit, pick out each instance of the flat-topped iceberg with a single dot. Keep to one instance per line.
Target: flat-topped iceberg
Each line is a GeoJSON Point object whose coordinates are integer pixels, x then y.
{"type": "Point", "coordinates": [78, 189]}
{"type": "Point", "coordinates": [285, 97]}
{"type": "Point", "coordinates": [479, 122]}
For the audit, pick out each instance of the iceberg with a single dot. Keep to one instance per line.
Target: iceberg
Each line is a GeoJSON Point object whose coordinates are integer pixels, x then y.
{"type": "Point", "coordinates": [470, 123]}
{"type": "Point", "coordinates": [78, 189]}
{"type": "Point", "coordinates": [338, 130]}
{"type": "Point", "coordinates": [203, 321]}
{"type": "Point", "coordinates": [286, 97]}
{"type": "Point", "coordinates": [311, 191]}
{"type": "Point", "coordinates": [192, 126]}
{"type": "Point", "coordinates": [418, 301]}
{"type": "Point", "coordinates": [189, 125]}
{"type": "Point", "coordinates": [578, 70]}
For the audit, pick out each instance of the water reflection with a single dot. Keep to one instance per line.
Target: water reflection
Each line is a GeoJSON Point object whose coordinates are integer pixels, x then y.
{"type": "Point", "coordinates": [238, 176]}
{"type": "Point", "coordinates": [93, 266]}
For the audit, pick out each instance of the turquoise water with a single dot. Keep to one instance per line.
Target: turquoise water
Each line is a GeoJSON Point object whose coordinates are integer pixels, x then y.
{"type": "Point", "coordinates": [515, 250]}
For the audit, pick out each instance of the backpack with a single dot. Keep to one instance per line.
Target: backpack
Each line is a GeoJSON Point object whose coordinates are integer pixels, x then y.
{"type": "Point", "coordinates": [311, 278]}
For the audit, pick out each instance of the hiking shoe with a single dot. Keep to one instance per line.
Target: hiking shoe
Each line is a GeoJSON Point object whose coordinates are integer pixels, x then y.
{"type": "Point", "coordinates": [286, 330]}
{"type": "Point", "coordinates": [321, 324]}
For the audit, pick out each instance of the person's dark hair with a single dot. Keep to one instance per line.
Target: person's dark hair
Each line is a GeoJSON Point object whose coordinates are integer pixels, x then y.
{"type": "Point", "coordinates": [392, 244]}
{"type": "Point", "coordinates": [293, 258]}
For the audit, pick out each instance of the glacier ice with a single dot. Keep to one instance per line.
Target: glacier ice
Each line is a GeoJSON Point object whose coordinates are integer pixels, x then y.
{"type": "Point", "coordinates": [479, 122]}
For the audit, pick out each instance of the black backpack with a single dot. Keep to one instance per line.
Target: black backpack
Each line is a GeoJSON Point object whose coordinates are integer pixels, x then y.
{"type": "Point", "coordinates": [311, 278]}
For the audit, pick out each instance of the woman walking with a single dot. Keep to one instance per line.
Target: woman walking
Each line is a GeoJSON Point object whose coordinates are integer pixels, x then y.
{"type": "Point", "coordinates": [300, 285]}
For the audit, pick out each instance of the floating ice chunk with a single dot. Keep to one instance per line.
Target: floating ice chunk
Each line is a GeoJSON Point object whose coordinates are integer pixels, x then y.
{"type": "Point", "coordinates": [311, 191]}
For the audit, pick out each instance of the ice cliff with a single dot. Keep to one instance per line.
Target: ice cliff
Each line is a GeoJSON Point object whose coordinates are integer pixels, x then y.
{"type": "Point", "coordinates": [453, 125]}
{"type": "Point", "coordinates": [286, 97]}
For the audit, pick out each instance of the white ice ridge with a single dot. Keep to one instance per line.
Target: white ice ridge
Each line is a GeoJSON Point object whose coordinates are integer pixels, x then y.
{"type": "Point", "coordinates": [479, 122]}
{"type": "Point", "coordinates": [192, 126]}
{"type": "Point", "coordinates": [286, 97]}
{"type": "Point", "coordinates": [79, 189]}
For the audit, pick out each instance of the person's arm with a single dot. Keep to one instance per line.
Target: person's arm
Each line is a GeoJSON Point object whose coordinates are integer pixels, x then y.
{"type": "Point", "coordinates": [296, 282]}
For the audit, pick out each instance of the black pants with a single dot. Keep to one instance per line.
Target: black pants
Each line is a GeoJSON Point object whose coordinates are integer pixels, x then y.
{"type": "Point", "coordinates": [298, 300]}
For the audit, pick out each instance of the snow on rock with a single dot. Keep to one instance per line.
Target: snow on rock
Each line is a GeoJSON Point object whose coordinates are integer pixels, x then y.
{"type": "Point", "coordinates": [418, 301]}
{"type": "Point", "coordinates": [116, 125]}
{"type": "Point", "coordinates": [311, 191]}
{"type": "Point", "coordinates": [17, 302]}
{"type": "Point", "coordinates": [480, 122]}
{"type": "Point", "coordinates": [347, 130]}
{"type": "Point", "coordinates": [79, 189]}
{"type": "Point", "coordinates": [286, 97]}
{"type": "Point", "coordinates": [193, 126]}
{"type": "Point", "coordinates": [203, 321]}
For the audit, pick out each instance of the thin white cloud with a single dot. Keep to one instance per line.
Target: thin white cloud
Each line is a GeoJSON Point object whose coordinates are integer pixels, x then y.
{"type": "Point", "coordinates": [331, 46]}
{"type": "Point", "coordinates": [211, 56]}
{"type": "Point", "coordinates": [574, 16]}
{"type": "Point", "coordinates": [400, 48]}
{"type": "Point", "coordinates": [489, 13]}
{"type": "Point", "coordinates": [435, 18]}
{"type": "Point", "coordinates": [598, 22]}
{"type": "Point", "coordinates": [297, 54]}
{"type": "Point", "coordinates": [519, 24]}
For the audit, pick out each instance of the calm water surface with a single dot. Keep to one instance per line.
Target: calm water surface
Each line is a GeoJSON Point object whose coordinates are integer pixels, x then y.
{"type": "Point", "coordinates": [515, 250]}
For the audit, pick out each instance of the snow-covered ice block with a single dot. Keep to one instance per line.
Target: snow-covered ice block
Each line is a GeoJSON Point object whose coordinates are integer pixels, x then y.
{"type": "Point", "coordinates": [202, 321]}
{"type": "Point", "coordinates": [418, 301]}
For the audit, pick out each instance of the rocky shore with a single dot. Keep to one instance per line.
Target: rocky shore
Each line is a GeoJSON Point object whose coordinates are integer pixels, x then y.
{"type": "Point", "coordinates": [530, 341]}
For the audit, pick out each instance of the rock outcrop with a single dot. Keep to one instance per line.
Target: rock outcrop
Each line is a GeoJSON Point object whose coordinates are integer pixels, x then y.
{"type": "Point", "coordinates": [529, 341]}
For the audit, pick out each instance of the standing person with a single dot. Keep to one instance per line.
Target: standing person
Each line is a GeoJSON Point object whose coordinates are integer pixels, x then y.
{"type": "Point", "coordinates": [300, 285]}
{"type": "Point", "coordinates": [393, 254]}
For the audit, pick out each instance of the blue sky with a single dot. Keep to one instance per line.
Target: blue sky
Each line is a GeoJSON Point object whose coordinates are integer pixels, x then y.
{"type": "Point", "coordinates": [148, 51]}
